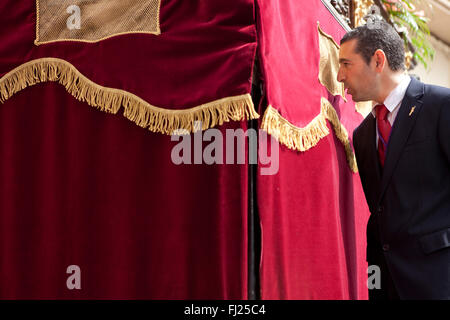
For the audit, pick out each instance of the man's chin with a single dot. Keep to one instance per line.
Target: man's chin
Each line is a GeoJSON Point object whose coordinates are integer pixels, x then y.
{"type": "Point", "coordinates": [349, 92]}
{"type": "Point", "coordinates": [355, 98]}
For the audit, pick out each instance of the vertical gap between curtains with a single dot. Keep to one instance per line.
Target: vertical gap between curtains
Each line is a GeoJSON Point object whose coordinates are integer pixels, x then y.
{"type": "Point", "coordinates": [254, 232]}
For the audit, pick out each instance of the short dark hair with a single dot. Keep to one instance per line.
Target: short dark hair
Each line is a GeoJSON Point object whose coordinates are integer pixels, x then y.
{"type": "Point", "coordinates": [378, 35]}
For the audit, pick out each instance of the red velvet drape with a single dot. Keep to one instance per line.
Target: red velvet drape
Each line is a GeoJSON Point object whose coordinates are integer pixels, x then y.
{"type": "Point", "coordinates": [205, 52]}
{"type": "Point", "coordinates": [80, 187]}
{"type": "Point", "coordinates": [83, 187]}
{"type": "Point", "coordinates": [313, 212]}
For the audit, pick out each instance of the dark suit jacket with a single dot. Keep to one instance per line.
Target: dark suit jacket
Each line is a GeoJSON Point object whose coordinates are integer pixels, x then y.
{"type": "Point", "coordinates": [409, 200]}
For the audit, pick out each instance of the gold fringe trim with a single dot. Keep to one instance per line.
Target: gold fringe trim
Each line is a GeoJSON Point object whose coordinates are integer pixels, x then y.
{"type": "Point", "coordinates": [291, 136]}
{"type": "Point", "coordinates": [330, 113]}
{"type": "Point", "coordinates": [110, 100]}
{"type": "Point", "coordinates": [302, 139]}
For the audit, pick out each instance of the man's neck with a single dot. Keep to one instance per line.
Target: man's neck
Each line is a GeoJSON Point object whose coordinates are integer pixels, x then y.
{"type": "Point", "coordinates": [389, 83]}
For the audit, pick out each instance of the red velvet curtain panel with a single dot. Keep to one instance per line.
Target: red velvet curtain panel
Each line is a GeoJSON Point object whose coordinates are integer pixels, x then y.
{"type": "Point", "coordinates": [80, 187]}
{"type": "Point", "coordinates": [205, 51]}
{"type": "Point", "coordinates": [83, 187]}
{"type": "Point", "coordinates": [313, 211]}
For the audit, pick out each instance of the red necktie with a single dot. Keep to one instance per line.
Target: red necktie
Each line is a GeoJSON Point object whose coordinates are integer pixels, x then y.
{"type": "Point", "coordinates": [384, 130]}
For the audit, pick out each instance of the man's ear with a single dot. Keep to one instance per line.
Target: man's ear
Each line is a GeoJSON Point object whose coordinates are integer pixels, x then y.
{"type": "Point", "coordinates": [379, 60]}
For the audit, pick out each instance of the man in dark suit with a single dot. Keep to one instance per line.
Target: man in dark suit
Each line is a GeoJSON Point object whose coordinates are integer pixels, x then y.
{"type": "Point", "coordinates": [403, 154]}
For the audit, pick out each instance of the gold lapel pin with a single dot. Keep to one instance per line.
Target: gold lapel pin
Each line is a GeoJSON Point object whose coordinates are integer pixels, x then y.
{"type": "Point", "coordinates": [412, 110]}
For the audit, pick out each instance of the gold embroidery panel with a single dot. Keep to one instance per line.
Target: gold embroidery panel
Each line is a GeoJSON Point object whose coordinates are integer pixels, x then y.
{"type": "Point", "coordinates": [329, 64]}
{"type": "Point", "coordinates": [94, 20]}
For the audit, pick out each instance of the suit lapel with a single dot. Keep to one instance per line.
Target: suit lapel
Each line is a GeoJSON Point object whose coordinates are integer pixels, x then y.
{"type": "Point", "coordinates": [373, 152]}
{"type": "Point", "coordinates": [404, 122]}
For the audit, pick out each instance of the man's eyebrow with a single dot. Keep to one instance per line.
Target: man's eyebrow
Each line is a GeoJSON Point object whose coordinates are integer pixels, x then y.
{"type": "Point", "coordinates": [343, 60]}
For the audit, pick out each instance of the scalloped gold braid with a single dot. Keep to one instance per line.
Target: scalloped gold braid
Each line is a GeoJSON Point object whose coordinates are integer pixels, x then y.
{"type": "Point", "coordinates": [302, 139]}
{"type": "Point", "coordinates": [110, 100]}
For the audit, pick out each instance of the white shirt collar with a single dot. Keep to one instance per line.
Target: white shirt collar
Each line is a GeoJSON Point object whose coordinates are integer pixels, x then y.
{"type": "Point", "coordinates": [396, 96]}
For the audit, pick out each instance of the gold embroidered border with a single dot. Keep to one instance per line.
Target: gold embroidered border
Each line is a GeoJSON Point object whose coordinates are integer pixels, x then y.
{"type": "Point", "coordinates": [302, 139]}
{"type": "Point", "coordinates": [329, 64]}
{"type": "Point", "coordinates": [110, 100]}
{"type": "Point", "coordinates": [38, 42]}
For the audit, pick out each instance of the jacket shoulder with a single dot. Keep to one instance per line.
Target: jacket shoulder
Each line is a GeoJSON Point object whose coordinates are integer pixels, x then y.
{"type": "Point", "coordinates": [436, 94]}
{"type": "Point", "coordinates": [362, 126]}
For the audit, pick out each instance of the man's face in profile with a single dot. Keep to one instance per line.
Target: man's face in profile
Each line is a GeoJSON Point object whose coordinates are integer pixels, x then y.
{"type": "Point", "coordinates": [354, 72]}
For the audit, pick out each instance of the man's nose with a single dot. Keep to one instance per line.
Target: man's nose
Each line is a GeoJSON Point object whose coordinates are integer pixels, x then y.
{"type": "Point", "coordinates": [340, 75]}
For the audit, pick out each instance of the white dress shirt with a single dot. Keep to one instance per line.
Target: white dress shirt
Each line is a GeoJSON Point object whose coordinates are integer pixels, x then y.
{"type": "Point", "coordinates": [393, 102]}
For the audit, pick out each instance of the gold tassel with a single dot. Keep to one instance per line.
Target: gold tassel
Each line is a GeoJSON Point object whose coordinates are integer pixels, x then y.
{"type": "Point", "coordinates": [110, 100]}
{"type": "Point", "coordinates": [302, 139]}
